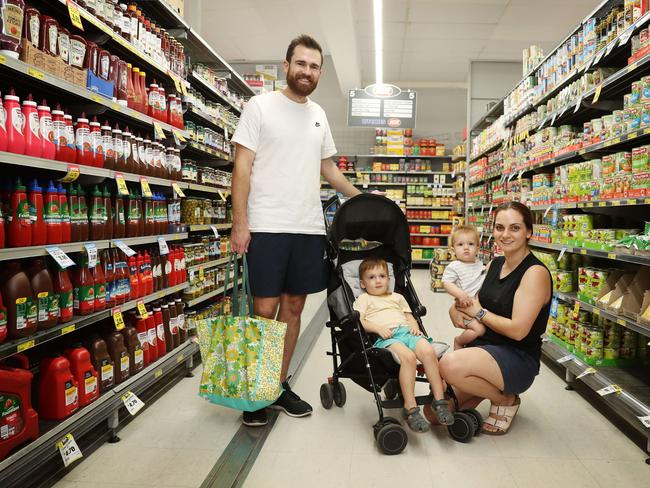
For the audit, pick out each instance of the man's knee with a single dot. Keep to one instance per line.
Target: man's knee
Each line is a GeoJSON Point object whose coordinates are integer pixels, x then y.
{"type": "Point", "coordinates": [292, 305]}
{"type": "Point", "coordinates": [266, 307]}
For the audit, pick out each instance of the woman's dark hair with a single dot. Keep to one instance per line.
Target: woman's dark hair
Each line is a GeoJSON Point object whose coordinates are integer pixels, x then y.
{"type": "Point", "coordinates": [306, 41]}
{"type": "Point", "coordinates": [519, 207]}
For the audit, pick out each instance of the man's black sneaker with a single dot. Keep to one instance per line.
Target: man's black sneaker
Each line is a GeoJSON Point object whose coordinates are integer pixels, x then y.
{"type": "Point", "coordinates": [291, 403]}
{"type": "Point", "coordinates": [257, 418]}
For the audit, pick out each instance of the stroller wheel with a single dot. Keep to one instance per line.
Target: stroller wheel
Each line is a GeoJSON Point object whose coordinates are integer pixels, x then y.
{"type": "Point", "coordinates": [326, 395]}
{"type": "Point", "coordinates": [339, 393]}
{"type": "Point", "coordinates": [392, 439]}
{"type": "Point", "coordinates": [391, 389]}
{"type": "Point", "coordinates": [477, 419]}
{"type": "Point", "coordinates": [387, 421]}
{"type": "Point", "coordinates": [462, 430]}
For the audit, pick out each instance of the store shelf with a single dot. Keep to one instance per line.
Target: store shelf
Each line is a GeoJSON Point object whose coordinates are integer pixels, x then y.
{"type": "Point", "coordinates": [205, 151]}
{"type": "Point", "coordinates": [633, 401]}
{"type": "Point", "coordinates": [207, 296]}
{"type": "Point", "coordinates": [430, 220]}
{"type": "Point", "coordinates": [427, 207]}
{"type": "Point", "coordinates": [620, 202]}
{"type": "Point", "coordinates": [136, 241]}
{"type": "Point", "coordinates": [398, 172]}
{"type": "Point", "coordinates": [432, 235]}
{"type": "Point", "coordinates": [42, 454]}
{"type": "Point", "coordinates": [417, 246]}
{"type": "Point", "coordinates": [12, 253]}
{"type": "Point", "coordinates": [528, 108]}
{"type": "Point", "coordinates": [614, 317]}
{"type": "Point", "coordinates": [488, 119]}
{"type": "Point", "coordinates": [421, 261]}
{"type": "Point", "coordinates": [627, 258]}
{"type": "Point", "coordinates": [204, 86]}
{"type": "Point", "coordinates": [204, 227]}
{"type": "Point", "coordinates": [207, 189]}
{"type": "Point", "coordinates": [19, 345]}
{"type": "Point", "coordinates": [396, 156]}
{"type": "Point", "coordinates": [486, 152]}
{"type": "Point", "coordinates": [201, 116]}
{"type": "Point", "coordinates": [208, 265]}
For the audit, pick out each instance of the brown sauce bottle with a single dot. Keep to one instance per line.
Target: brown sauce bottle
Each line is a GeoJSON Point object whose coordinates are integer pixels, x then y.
{"type": "Point", "coordinates": [109, 146]}
{"type": "Point", "coordinates": [47, 302]}
{"type": "Point", "coordinates": [119, 218]}
{"type": "Point", "coordinates": [120, 163]}
{"type": "Point", "coordinates": [182, 327]}
{"type": "Point", "coordinates": [19, 300]}
{"type": "Point", "coordinates": [136, 354]}
{"type": "Point", "coordinates": [119, 354]}
{"type": "Point", "coordinates": [127, 145]}
{"type": "Point", "coordinates": [169, 338]}
{"type": "Point", "coordinates": [173, 322]}
{"type": "Point", "coordinates": [102, 363]}
{"type": "Point", "coordinates": [108, 212]}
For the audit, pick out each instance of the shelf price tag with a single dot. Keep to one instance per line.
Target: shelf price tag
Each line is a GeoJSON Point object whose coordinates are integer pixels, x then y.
{"type": "Point", "coordinates": [36, 73]}
{"type": "Point", "coordinates": [215, 231]}
{"type": "Point", "coordinates": [146, 189]}
{"type": "Point", "coordinates": [645, 421]}
{"type": "Point", "coordinates": [142, 310]}
{"type": "Point", "coordinates": [132, 403]}
{"type": "Point", "coordinates": [608, 390]}
{"type": "Point", "coordinates": [121, 184]}
{"type": "Point", "coordinates": [625, 37]}
{"type": "Point", "coordinates": [578, 103]}
{"type": "Point", "coordinates": [25, 345]}
{"type": "Point", "coordinates": [124, 248]}
{"type": "Point", "coordinates": [177, 82]}
{"type": "Point", "coordinates": [566, 359]}
{"type": "Point", "coordinates": [68, 329]}
{"type": "Point", "coordinates": [178, 135]}
{"type": "Point", "coordinates": [91, 250]}
{"type": "Point", "coordinates": [72, 174]}
{"type": "Point", "coordinates": [60, 257]}
{"type": "Point", "coordinates": [158, 130]}
{"type": "Point", "coordinates": [610, 48]}
{"type": "Point", "coordinates": [69, 450]}
{"type": "Point", "coordinates": [559, 258]}
{"type": "Point", "coordinates": [162, 244]}
{"type": "Point", "coordinates": [178, 190]}
{"type": "Point", "coordinates": [599, 88]}
{"type": "Point", "coordinates": [118, 319]}
{"type": "Point", "coordinates": [75, 16]}
{"type": "Point", "coordinates": [221, 195]}
{"type": "Point", "coordinates": [586, 372]}
{"type": "Point", "coordinates": [201, 273]}
{"type": "Point", "coordinates": [576, 310]}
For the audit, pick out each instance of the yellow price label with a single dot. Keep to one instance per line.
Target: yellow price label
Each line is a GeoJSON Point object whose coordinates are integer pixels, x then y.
{"type": "Point", "coordinates": [616, 203]}
{"type": "Point", "coordinates": [142, 310]}
{"type": "Point", "coordinates": [3, 60]}
{"type": "Point", "coordinates": [179, 135]}
{"type": "Point", "coordinates": [146, 189]}
{"type": "Point", "coordinates": [590, 204]}
{"type": "Point", "coordinates": [646, 201]}
{"type": "Point", "coordinates": [576, 309]}
{"type": "Point", "coordinates": [632, 67]}
{"type": "Point", "coordinates": [631, 202]}
{"type": "Point", "coordinates": [183, 88]}
{"type": "Point", "coordinates": [158, 373]}
{"type": "Point", "coordinates": [616, 140]}
{"type": "Point", "coordinates": [201, 273]}
{"type": "Point", "coordinates": [596, 311]}
{"type": "Point", "coordinates": [25, 345]}
{"type": "Point", "coordinates": [36, 73]}
{"type": "Point", "coordinates": [583, 251]}
{"type": "Point", "coordinates": [157, 128]}
{"type": "Point", "coordinates": [611, 255]}
{"type": "Point", "coordinates": [21, 300]}
{"type": "Point", "coordinates": [646, 131]}
{"type": "Point", "coordinates": [221, 195]}
{"type": "Point", "coordinates": [178, 190]}
{"type": "Point", "coordinates": [177, 82]}
{"type": "Point", "coordinates": [599, 88]}
{"type": "Point", "coordinates": [68, 329]}
{"type": "Point", "coordinates": [180, 358]}
{"type": "Point", "coordinates": [96, 98]}
{"type": "Point", "coordinates": [620, 321]}
{"type": "Point", "coordinates": [602, 204]}
{"type": "Point", "coordinates": [72, 174]}
{"type": "Point", "coordinates": [118, 319]}
{"type": "Point", "coordinates": [121, 184]}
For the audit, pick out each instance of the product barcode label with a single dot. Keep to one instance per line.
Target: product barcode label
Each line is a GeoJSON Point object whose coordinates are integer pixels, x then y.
{"type": "Point", "coordinates": [91, 250]}
{"type": "Point", "coordinates": [608, 390]}
{"type": "Point", "coordinates": [60, 257]}
{"type": "Point", "coordinates": [124, 248]}
{"type": "Point", "coordinates": [215, 231]}
{"type": "Point", "coordinates": [645, 420]}
{"type": "Point", "coordinates": [586, 372]}
{"type": "Point", "coordinates": [132, 403]}
{"type": "Point", "coordinates": [565, 359]}
{"type": "Point", "coordinates": [69, 450]}
{"type": "Point", "coordinates": [162, 243]}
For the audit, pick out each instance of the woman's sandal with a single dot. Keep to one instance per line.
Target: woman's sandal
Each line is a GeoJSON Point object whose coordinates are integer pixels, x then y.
{"type": "Point", "coordinates": [442, 412]}
{"type": "Point", "coordinates": [415, 420]}
{"type": "Point", "coordinates": [500, 418]}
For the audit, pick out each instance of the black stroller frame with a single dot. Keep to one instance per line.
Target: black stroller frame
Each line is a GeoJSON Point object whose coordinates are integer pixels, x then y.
{"type": "Point", "coordinates": [353, 356]}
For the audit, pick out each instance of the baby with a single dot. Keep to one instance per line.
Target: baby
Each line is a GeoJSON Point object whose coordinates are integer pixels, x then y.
{"type": "Point", "coordinates": [389, 316]}
{"type": "Point", "coordinates": [463, 278]}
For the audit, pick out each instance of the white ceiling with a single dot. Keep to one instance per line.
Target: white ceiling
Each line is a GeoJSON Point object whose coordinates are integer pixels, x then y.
{"type": "Point", "coordinates": [425, 41]}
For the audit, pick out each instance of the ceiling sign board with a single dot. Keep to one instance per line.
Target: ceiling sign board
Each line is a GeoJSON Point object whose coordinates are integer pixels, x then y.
{"type": "Point", "coordinates": [382, 106]}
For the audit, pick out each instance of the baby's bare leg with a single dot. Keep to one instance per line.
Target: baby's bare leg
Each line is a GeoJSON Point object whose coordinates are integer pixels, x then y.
{"type": "Point", "coordinates": [474, 329]}
{"type": "Point", "coordinates": [406, 373]}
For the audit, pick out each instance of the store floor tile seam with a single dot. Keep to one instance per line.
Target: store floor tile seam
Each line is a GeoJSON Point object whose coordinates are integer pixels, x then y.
{"type": "Point", "coordinates": [237, 459]}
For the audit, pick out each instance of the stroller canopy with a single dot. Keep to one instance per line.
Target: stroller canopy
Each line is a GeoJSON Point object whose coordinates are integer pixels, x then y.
{"type": "Point", "coordinates": [373, 218]}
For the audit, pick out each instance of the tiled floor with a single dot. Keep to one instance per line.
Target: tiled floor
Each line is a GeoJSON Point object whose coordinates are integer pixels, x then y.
{"type": "Point", "coordinates": [557, 440]}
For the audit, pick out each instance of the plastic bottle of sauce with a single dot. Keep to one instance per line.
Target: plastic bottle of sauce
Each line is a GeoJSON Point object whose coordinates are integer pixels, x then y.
{"type": "Point", "coordinates": [133, 347]}
{"type": "Point", "coordinates": [79, 52]}
{"type": "Point", "coordinates": [97, 214]}
{"type": "Point", "coordinates": [182, 327]}
{"type": "Point", "coordinates": [148, 273]}
{"type": "Point", "coordinates": [14, 124]}
{"type": "Point", "coordinates": [47, 302]}
{"type": "Point", "coordinates": [97, 143]}
{"type": "Point", "coordinates": [113, 73]}
{"type": "Point", "coordinates": [84, 226]}
{"type": "Point", "coordinates": [32, 26]}
{"type": "Point", "coordinates": [122, 271]}
{"type": "Point", "coordinates": [141, 155]}
{"type": "Point", "coordinates": [12, 24]}
{"type": "Point", "coordinates": [52, 215]}
{"type": "Point", "coordinates": [130, 90]}
{"type": "Point", "coordinates": [20, 223]}
{"type": "Point", "coordinates": [137, 168]}
{"type": "Point", "coordinates": [169, 339]}
{"type": "Point", "coordinates": [156, 271]}
{"type": "Point", "coordinates": [84, 287]}
{"type": "Point", "coordinates": [35, 197]}
{"type": "Point", "coordinates": [162, 104]}
{"type": "Point", "coordinates": [129, 164]}
{"type": "Point", "coordinates": [153, 105]}
{"type": "Point", "coordinates": [172, 259]}
{"type": "Point", "coordinates": [132, 220]}
{"type": "Point", "coordinates": [122, 91]}
{"type": "Point", "coordinates": [173, 322]}
{"type": "Point", "coordinates": [85, 154]}
{"type": "Point", "coordinates": [75, 224]}
{"type": "Point", "coordinates": [64, 214]}
{"type": "Point", "coordinates": [119, 355]}
{"type": "Point", "coordinates": [48, 148]}
{"type": "Point", "coordinates": [58, 395]}
{"type": "Point", "coordinates": [143, 93]}
{"type": "Point", "coordinates": [100, 287]}
{"type": "Point", "coordinates": [140, 324]}
{"type": "Point", "coordinates": [49, 36]}
{"type": "Point", "coordinates": [119, 218]}
{"type": "Point", "coordinates": [108, 214]}
{"type": "Point", "coordinates": [3, 320]}
{"type": "Point", "coordinates": [84, 373]}
{"type": "Point", "coordinates": [18, 298]}
{"type": "Point", "coordinates": [133, 278]}
{"type": "Point", "coordinates": [102, 363]}
{"type": "Point", "coordinates": [109, 148]}
{"type": "Point", "coordinates": [31, 129]}
{"type": "Point", "coordinates": [160, 329]}
{"type": "Point", "coordinates": [166, 269]}
{"type": "Point", "coordinates": [60, 135]}
{"type": "Point", "coordinates": [152, 336]}
{"type": "Point", "coordinates": [107, 268]}
{"type": "Point", "coordinates": [138, 201]}
{"type": "Point", "coordinates": [137, 96]}
{"type": "Point", "coordinates": [69, 130]}
{"type": "Point", "coordinates": [156, 158]}
{"type": "Point", "coordinates": [3, 127]}
{"type": "Point", "coordinates": [64, 45]}
{"type": "Point", "coordinates": [63, 288]}
{"type": "Point", "coordinates": [149, 217]}
{"type": "Point", "coordinates": [119, 149]}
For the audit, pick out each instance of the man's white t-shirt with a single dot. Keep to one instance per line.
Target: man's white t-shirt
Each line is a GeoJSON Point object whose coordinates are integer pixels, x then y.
{"type": "Point", "coordinates": [289, 139]}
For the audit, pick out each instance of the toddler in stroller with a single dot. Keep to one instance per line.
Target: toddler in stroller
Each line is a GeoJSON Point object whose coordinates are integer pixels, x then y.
{"type": "Point", "coordinates": [372, 226]}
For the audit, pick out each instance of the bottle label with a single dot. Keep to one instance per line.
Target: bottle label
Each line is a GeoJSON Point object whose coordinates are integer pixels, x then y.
{"type": "Point", "coordinates": [143, 338]}
{"type": "Point", "coordinates": [126, 148]}
{"type": "Point", "coordinates": [32, 312]}
{"type": "Point", "coordinates": [34, 124]}
{"type": "Point", "coordinates": [107, 372]}
{"type": "Point", "coordinates": [161, 331]}
{"type": "Point", "coordinates": [173, 325]}
{"type": "Point", "coordinates": [52, 215]}
{"type": "Point", "coordinates": [125, 286]}
{"type": "Point", "coordinates": [97, 142]}
{"type": "Point", "coordinates": [71, 395]}
{"type": "Point", "coordinates": [90, 383]}
{"type": "Point", "coordinates": [110, 292]}
{"type": "Point", "coordinates": [34, 29]}
{"type": "Point", "coordinates": [21, 313]}
{"type": "Point", "coordinates": [124, 364]}
{"type": "Point", "coordinates": [60, 133]}
{"type": "Point", "coordinates": [53, 307]}
{"type": "Point", "coordinates": [23, 212]}
{"type": "Point", "coordinates": [75, 215]}
{"type": "Point", "coordinates": [3, 319]}
{"type": "Point", "coordinates": [120, 216]}
{"type": "Point", "coordinates": [98, 214]}
{"type": "Point", "coordinates": [138, 357]}
{"type": "Point", "coordinates": [66, 303]}
{"type": "Point", "coordinates": [3, 118]}
{"type": "Point", "coordinates": [84, 297]}
{"type": "Point", "coordinates": [148, 156]}
{"type": "Point", "coordinates": [43, 303]}
{"type": "Point", "coordinates": [17, 119]}
{"type": "Point", "coordinates": [100, 295]}
{"type": "Point", "coordinates": [141, 154]}
{"type": "Point", "coordinates": [12, 21]}
{"type": "Point", "coordinates": [83, 140]}
{"type": "Point", "coordinates": [119, 148]}
{"type": "Point", "coordinates": [109, 148]}
{"type": "Point", "coordinates": [77, 53]}
{"type": "Point", "coordinates": [134, 151]}
{"type": "Point", "coordinates": [69, 131]}
{"type": "Point", "coordinates": [181, 322]}
{"type": "Point", "coordinates": [153, 99]}
{"type": "Point", "coordinates": [64, 47]}
{"type": "Point", "coordinates": [47, 129]}
{"type": "Point", "coordinates": [53, 35]}
{"type": "Point", "coordinates": [151, 333]}
{"type": "Point", "coordinates": [168, 267]}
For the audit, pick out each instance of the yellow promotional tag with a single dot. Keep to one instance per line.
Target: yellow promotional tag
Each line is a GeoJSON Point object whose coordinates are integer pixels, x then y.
{"type": "Point", "coordinates": [121, 184]}
{"type": "Point", "coordinates": [183, 88]}
{"type": "Point", "coordinates": [583, 251]}
{"type": "Point", "coordinates": [177, 82]}
{"type": "Point", "coordinates": [3, 60]}
{"type": "Point", "coordinates": [72, 174]}
{"type": "Point", "coordinates": [68, 329]}
{"type": "Point", "coordinates": [118, 319]}
{"type": "Point", "coordinates": [611, 255]}
{"type": "Point", "coordinates": [142, 310]}
{"type": "Point", "coordinates": [36, 73]}
{"type": "Point", "coordinates": [178, 190]}
{"type": "Point", "coordinates": [146, 190]}
{"type": "Point", "coordinates": [201, 273]}
{"type": "Point", "coordinates": [25, 345]}
{"type": "Point", "coordinates": [576, 310]}
{"type": "Point", "coordinates": [179, 136]}
{"type": "Point", "coordinates": [157, 128]}
{"type": "Point", "coordinates": [599, 88]}
{"type": "Point", "coordinates": [221, 195]}
{"type": "Point", "coordinates": [632, 67]}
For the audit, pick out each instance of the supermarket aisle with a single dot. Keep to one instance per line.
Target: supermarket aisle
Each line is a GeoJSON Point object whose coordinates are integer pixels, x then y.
{"type": "Point", "coordinates": [173, 443]}
{"type": "Point", "coordinates": [557, 439]}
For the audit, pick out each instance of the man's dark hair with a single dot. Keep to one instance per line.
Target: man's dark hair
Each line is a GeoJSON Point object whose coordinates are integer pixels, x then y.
{"type": "Point", "coordinates": [306, 41]}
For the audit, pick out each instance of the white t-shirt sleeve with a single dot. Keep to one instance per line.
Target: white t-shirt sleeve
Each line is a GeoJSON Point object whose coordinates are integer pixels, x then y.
{"type": "Point", "coordinates": [450, 275]}
{"type": "Point", "coordinates": [248, 129]}
{"type": "Point", "coordinates": [361, 304]}
{"type": "Point", "coordinates": [328, 149]}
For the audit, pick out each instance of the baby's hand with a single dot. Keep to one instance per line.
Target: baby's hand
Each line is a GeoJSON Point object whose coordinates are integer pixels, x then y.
{"type": "Point", "coordinates": [385, 333]}
{"type": "Point", "coordinates": [416, 331]}
{"type": "Point", "coordinates": [464, 300]}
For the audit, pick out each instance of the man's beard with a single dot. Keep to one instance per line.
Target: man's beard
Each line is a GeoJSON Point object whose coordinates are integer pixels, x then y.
{"type": "Point", "coordinates": [299, 88]}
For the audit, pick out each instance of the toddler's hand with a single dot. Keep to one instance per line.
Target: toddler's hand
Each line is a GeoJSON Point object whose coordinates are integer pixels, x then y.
{"type": "Point", "coordinates": [386, 333]}
{"type": "Point", "coordinates": [465, 300]}
{"type": "Point", "coordinates": [416, 331]}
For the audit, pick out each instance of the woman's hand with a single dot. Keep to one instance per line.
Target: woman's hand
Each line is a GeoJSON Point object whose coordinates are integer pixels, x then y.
{"type": "Point", "coordinates": [457, 317]}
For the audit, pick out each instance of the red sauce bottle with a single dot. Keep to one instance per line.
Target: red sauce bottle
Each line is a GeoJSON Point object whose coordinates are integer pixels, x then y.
{"type": "Point", "coordinates": [148, 273]}
{"type": "Point", "coordinates": [3, 321]}
{"type": "Point", "coordinates": [57, 389]}
{"type": "Point", "coordinates": [65, 291]}
{"type": "Point", "coordinates": [20, 223]}
{"type": "Point", "coordinates": [35, 197]}
{"type": "Point", "coordinates": [52, 215]}
{"type": "Point", "coordinates": [48, 148]}
{"type": "Point", "coordinates": [109, 275]}
{"type": "Point", "coordinates": [100, 287]}
{"type": "Point", "coordinates": [160, 329]}
{"type": "Point", "coordinates": [120, 163]}
{"type": "Point", "coordinates": [130, 89]}
{"type": "Point", "coordinates": [31, 128]}
{"type": "Point", "coordinates": [122, 276]}
{"type": "Point", "coordinates": [84, 147]}
{"type": "Point", "coordinates": [122, 82]}
{"type": "Point", "coordinates": [139, 263]}
{"type": "Point", "coordinates": [84, 373]}
{"type": "Point", "coordinates": [84, 287]}
{"type": "Point", "coordinates": [144, 100]}
{"type": "Point", "coordinates": [12, 22]}
{"type": "Point", "coordinates": [64, 212]}
{"type": "Point", "coordinates": [108, 214]}
{"type": "Point", "coordinates": [60, 135]}
{"type": "Point", "coordinates": [152, 336]}
{"type": "Point", "coordinates": [97, 215]}
{"type": "Point", "coordinates": [109, 148]}
{"type": "Point", "coordinates": [3, 128]}
{"type": "Point", "coordinates": [141, 328]}
{"type": "Point", "coordinates": [97, 143]}
{"type": "Point", "coordinates": [84, 226]}
{"type": "Point", "coordinates": [14, 124]}
{"type": "Point", "coordinates": [133, 279]}
{"type": "Point", "coordinates": [71, 151]}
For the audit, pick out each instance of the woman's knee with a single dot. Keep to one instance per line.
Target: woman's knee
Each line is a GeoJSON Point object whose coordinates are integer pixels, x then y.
{"type": "Point", "coordinates": [451, 368]}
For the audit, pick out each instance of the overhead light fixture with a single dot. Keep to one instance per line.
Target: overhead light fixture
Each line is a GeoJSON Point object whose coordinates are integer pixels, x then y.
{"type": "Point", "coordinates": [378, 13]}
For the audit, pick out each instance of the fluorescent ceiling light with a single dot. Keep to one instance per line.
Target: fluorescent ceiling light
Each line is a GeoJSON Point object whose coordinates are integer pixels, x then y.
{"type": "Point", "coordinates": [379, 41]}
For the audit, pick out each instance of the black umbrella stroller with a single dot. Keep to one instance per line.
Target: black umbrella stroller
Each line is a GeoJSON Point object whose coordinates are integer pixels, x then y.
{"type": "Point", "coordinates": [373, 226]}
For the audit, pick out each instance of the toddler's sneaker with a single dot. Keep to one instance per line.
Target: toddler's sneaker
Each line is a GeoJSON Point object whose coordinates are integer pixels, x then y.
{"type": "Point", "coordinates": [441, 409]}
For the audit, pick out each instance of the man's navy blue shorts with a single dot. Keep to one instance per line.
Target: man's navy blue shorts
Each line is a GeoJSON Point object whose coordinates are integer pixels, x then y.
{"type": "Point", "coordinates": [295, 264]}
